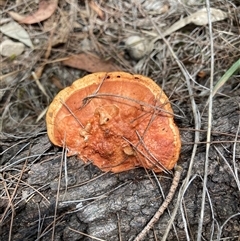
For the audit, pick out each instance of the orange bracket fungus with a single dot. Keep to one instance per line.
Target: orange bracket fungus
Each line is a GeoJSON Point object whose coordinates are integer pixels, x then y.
{"type": "Point", "coordinates": [116, 120]}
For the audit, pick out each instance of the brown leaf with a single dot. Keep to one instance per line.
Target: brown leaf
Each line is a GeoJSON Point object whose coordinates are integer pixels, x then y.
{"type": "Point", "coordinates": [45, 10]}
{"type": "Point", "coordinates": [90, 63]}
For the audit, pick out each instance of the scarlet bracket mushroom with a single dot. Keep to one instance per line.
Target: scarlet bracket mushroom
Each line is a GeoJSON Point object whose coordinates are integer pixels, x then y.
{"type": "Point", "coordinates": [117, 120]}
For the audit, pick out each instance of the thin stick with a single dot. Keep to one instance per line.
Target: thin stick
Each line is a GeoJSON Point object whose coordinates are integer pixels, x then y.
{"type": "Point", "coordinates": [71, 112]}
{"type": "Point", "coordinates": [104, 95]}
{"type": "Point", "coordinates": [90, 236]}
{"type": "Point", "coordinates": [58, 191]}
{"type": "Point", "coordinates": [119, 227]}
{"type": "Point", "coordinates": [197, 123]}
{"type": "Point", "coordinates": [155, 218]}
{"type": "Point", "coordinates": [209, 127]}
{"type": "Point", "coordinates": [86, 100]}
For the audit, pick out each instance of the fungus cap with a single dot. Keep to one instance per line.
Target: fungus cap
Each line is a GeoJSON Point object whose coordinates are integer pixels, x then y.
{"type": "Point", "coordinates": [117, 120]}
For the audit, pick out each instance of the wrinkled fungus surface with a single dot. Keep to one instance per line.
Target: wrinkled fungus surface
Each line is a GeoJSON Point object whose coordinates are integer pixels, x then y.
{"type": "Point", "coordinates": [116, 120]}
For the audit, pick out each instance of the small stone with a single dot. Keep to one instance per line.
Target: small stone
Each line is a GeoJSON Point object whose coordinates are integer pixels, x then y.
{"type": "Point", "coordinates": [9, 48]}
{"type": "Point", "coordinates": [137, 47]}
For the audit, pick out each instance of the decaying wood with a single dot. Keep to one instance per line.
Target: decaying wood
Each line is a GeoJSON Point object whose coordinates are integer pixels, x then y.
{"type": "Point", "coordinates": [100, 204]}
{"type": "Point", "coordinates": [162, 208]}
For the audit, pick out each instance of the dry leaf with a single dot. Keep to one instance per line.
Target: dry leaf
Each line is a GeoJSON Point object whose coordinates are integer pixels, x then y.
{"type": "Point", "coordinates": [45, 10]}
{"type": "Point", "coordinates": [8, 48]}
{"type": "Point", "coordinates": [201, 17]}
{"type": "Point", "coordinates": [90, 63]}
{"type": "Point", "coordinates": [16, 31]}
{"type": "Point", "coordinates": [198, 18]}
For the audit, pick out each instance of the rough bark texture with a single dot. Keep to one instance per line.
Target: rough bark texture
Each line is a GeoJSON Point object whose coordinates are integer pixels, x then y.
{"type": "Point", "coordinates": [117, 206]}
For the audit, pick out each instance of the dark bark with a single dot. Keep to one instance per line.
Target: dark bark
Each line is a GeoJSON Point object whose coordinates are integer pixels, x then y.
{"type": "Point", "coordinates": [101, 205]}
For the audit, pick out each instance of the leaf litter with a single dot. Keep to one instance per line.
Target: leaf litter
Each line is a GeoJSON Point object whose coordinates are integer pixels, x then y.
{"type": "Point", "coordinates": [16, 31]}
{"type": "Point", "coordinates": [90, 63]}
{"type": "Point", "coordinates": [45, 10]}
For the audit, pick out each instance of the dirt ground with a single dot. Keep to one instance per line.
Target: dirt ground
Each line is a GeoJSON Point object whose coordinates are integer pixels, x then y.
{"type": "Point", "coordinates": [46, 196]}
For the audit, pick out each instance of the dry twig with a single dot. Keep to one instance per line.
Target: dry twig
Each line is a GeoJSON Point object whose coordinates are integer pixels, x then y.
{"type": "Point", "coordinates": [162, 208]}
